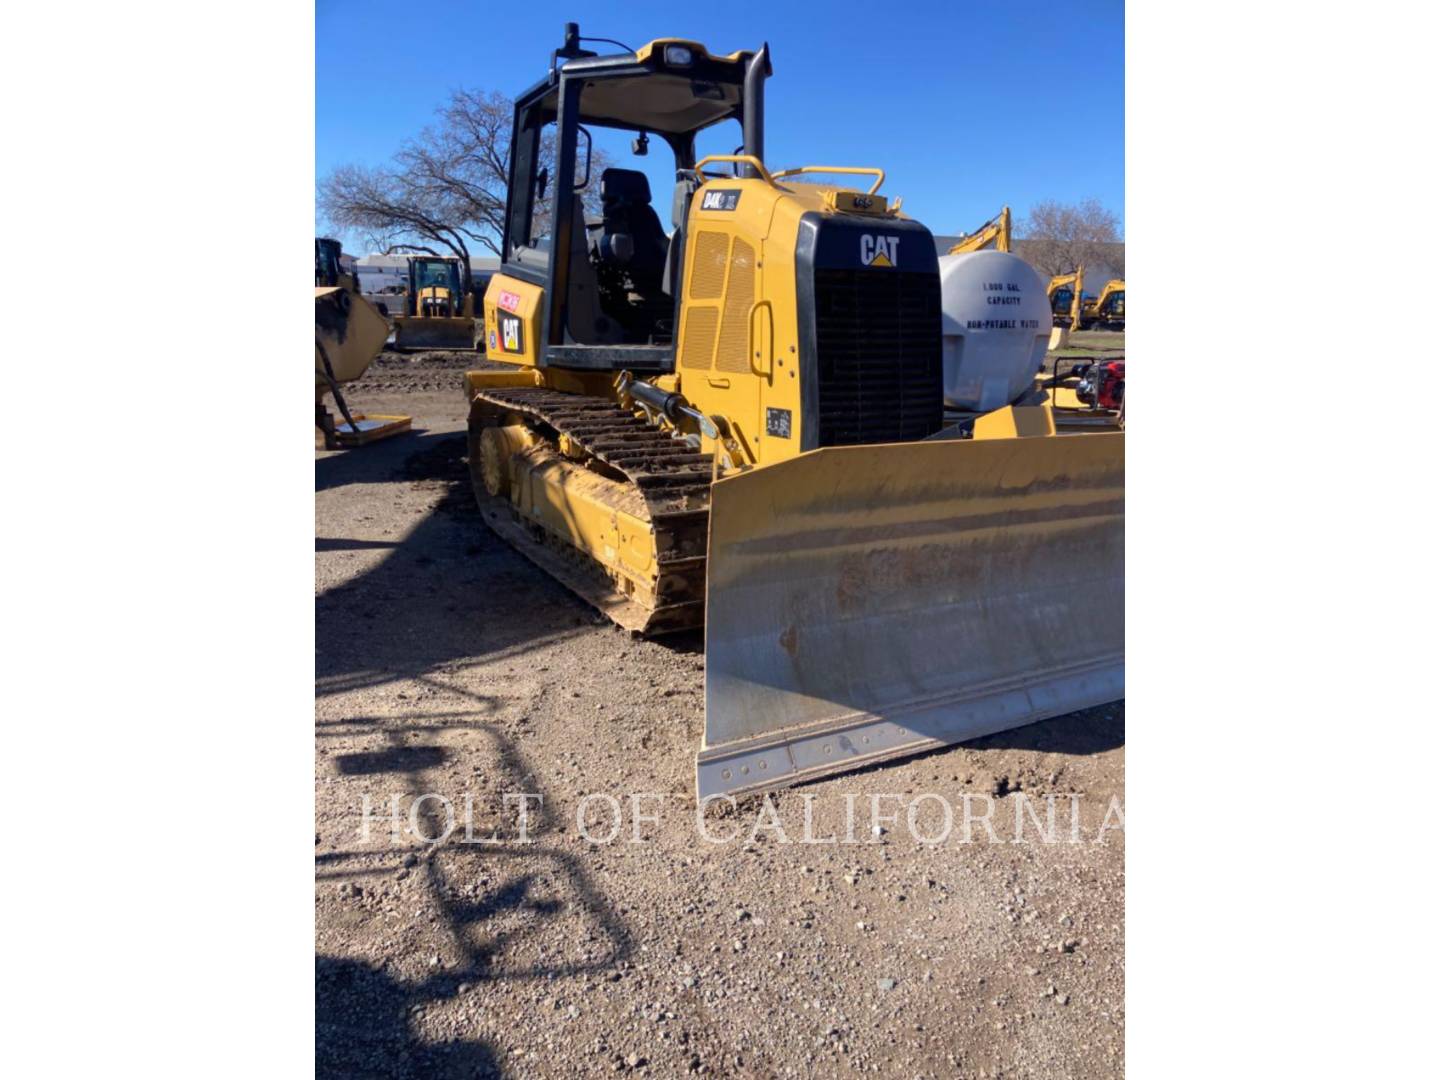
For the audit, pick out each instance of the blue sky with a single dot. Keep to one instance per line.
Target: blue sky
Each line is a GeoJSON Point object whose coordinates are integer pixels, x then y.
{"type": "Point", "coordinates": [967, 106]}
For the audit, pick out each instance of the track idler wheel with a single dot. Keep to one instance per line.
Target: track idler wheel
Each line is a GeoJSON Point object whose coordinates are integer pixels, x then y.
{"type": "Point", "coordinates": [491, 448]}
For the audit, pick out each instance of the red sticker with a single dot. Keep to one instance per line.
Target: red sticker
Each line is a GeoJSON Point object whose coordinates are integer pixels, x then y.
{"type": "Point", "coordinates": [509, 301]}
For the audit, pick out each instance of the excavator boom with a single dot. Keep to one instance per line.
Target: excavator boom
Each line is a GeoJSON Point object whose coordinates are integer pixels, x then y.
{"type": "Point", "coordinates": [995, 234]}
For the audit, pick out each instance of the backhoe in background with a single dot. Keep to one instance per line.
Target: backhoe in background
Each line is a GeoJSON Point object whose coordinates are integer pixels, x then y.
{"type": "Point", "coordinates": [349, 333]}
{"type": "Point", "coordinates": [743, 424]}
{"type": "Point", "coordinates": [439, 306]}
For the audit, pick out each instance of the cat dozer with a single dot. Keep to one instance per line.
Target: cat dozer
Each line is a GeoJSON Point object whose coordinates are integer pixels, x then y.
{"type": "Point", "coordinates": [439, 307]}
{"type": "Point", "coordinates": [741, 425]}
{"type": "Point", "coordinates": [349, 333]}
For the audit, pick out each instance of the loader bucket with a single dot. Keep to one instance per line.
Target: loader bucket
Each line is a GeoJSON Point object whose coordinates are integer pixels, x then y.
{"type": "Point", "coordinates": [871, 601]}
{"type": "Point", "coordinates": [349, 332]}
{"type": "Point", "coordinates": [435, 332]}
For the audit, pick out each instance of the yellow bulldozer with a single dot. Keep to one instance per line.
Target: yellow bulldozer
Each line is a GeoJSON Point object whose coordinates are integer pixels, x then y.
{"type": "Point", "coordinates": [439, 306]}
{"type": "Point", "coordinates": [741, 425]}
{"type": "Point", "coordinates": [994, 235]}
{"type": "Point", "coordinates": [349, 333]}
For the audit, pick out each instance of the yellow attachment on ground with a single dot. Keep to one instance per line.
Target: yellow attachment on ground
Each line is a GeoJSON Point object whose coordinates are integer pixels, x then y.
{"type": "Point", "coordinates": [370, 427]}
{"type": "Point", "coordinates": [871, 601]}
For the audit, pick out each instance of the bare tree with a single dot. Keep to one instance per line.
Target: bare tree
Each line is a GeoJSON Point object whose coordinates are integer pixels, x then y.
{"type": "Point", "coordinates": [444, 192]}
{"type": "Point", "coordinates": [1057, 237]}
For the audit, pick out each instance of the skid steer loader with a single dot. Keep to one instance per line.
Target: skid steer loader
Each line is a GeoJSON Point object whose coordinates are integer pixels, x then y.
{"type": "Point", "coordinates": [439, 306]}
{"type": "Point", "coordinates": [740, 424]}
{"type": "Point", "coordinates": [349, 333]}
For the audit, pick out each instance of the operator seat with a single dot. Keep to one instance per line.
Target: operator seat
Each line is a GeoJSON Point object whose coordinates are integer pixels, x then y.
{"type": "Point", "coordinates": [632, 238]}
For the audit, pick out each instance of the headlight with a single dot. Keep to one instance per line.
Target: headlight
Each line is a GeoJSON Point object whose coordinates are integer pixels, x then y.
{"type": "Point", "coordinates": [679, 55]}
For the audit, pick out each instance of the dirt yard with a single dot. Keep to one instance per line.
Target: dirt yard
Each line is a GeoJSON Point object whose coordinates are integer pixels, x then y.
{"type": "Point", "coordinates": [448, 666]}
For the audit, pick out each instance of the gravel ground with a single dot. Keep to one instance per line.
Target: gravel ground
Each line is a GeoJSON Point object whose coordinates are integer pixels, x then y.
{"type": "Point", "coordinates": [448, 664]}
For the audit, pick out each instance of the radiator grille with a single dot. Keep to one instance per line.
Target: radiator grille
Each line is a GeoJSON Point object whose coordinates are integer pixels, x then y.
{"type": "Point", "coordinates": [707, 278]}
{"type": "Point", "coordinates": [731, 351]}
{"type": "Point", "coordinates": [877, 336]}
{"type": "Point", "coordinates": [698, 345]}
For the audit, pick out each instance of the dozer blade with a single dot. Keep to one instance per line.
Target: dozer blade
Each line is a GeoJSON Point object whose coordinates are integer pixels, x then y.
{"type": "Point", "coordinates": [871, 601]}
{"type": "Point", "coordinates": [436, 333]}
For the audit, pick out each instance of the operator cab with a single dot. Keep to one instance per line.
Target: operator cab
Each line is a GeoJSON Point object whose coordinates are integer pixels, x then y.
{"type": "Point", "coordinates": [327, 263]}
{"type": "Point", "coordinates": [611, 277]}
{"type": "Point", "coordinates": [434, 286]}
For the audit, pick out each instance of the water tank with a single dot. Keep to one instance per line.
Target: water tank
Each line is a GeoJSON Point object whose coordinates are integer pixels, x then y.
{"type": "Point", "coordinates": [995, 320]}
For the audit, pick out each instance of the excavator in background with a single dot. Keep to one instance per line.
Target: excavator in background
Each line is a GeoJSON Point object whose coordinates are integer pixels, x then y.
{"type": "Point", "coordinates": [993, 235]}
{"type": "Point", "coordinates": [439, 308]}
{"type": "Point", "coordinates": [743, 424]}
{"type": "Point", "coordinates": [1066, 292]}
{"type": "Point", "coordinates": [349, 333]}
{"type": "Point", "coordinates": [1106, 311]}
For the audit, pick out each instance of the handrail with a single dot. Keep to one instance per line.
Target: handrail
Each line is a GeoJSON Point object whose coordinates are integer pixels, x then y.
{"type": "Point", "coordinates": [767, 353]}
{"type": "Point", "coordinates": [741, 159]}
{"type": "Point", "coordinates": [770, 178]}
{"type": "Point", "coordinates": [862, 170]}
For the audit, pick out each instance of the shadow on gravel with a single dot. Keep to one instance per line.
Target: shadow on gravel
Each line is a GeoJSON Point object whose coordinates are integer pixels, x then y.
{"type": "Point", "coordinates": [325, 543]}
{"type": "Point", "coordinates": [373, 464]}
{"type": "Point", "coordinates": [1089, 731]}
{"type": "Point", "coordinates": [396, 759]}
{"type": "Point", "coordinates": [449, 590]}
{"type": "Point", "coordinates": [363, 1029]}
{"type": "Point", "coordinates": [490, 897]}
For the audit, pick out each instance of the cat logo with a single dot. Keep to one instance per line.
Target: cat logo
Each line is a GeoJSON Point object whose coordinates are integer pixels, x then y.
{"type": "Point", "coordinates": [512, 336]}
{"type": "Point", "coordinates": [879, 250]}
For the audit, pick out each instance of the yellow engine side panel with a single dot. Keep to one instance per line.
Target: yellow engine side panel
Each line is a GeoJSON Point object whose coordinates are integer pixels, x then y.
{"type": "Point", "coordinates": [738, 346]}
{"type": "Point", "coordinates": [512, 321]}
